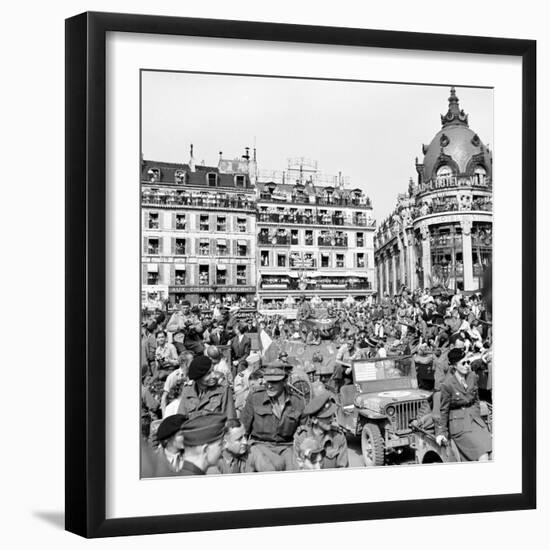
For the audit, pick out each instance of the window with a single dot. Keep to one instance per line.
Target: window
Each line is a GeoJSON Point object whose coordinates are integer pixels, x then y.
{"type": "Point", "coordinates": [293, 236]}
{"type": "Point", "coordinates": [241, 225]}
{"type": "Point", "coordinates": [152, 278]}
{"type": "Point", "coordinates": [179, 276]}
{"type": "Point", "coordinates": [212, 179]}
{"type": "Point", "coordinates": [281, 260]}
{"type": "Point", "coordinates": [180, 247]}
{"type": "Point", "coordinates": [264, 258]}
{"type": "Point", "coordinates": [239, 181]}
{"type": "Point", "coordinates": [221, 223]}
{"type": "Point", "coordinates": [242, 249]}
{"type": "Point", "coordinates": [339, 260]}
{"type": "Point", "coordinates": [360, 239]}
{"type": "Point", "coordinates": [180, 177]}
{"type": "Point", "coordinates": [203, 274]}
{"type": "Point", "coordinates": [221, 248]}
{"type": "Point", "coordinates": [180, 221]}
{"type": "Point", "coordinates": [153, 174]}
{"type": "Point", "coordinates": [221, 278]}
{"type": "Point", "coordinates": [444, 174]}
{"type": "Point", "coordinates": [479, 175]}
{"type": "Point", "coordinates": [204, 247]}
{"type": "Point", "coordinates": [325, 260]}
{"type": "Point", "coordinates": [241, 274]}
{"type": "Point", "coordinates": [153, 246]}
{"type": "Point", "coordinates": [204, 224]}
{"type": "Point", "coordinates": [309, 260]}
{"type": "Point", "coordinates": [153, 220]}
{"type": "Point", "coordinates": [309, 237]}
{"type": "Point", "coordinates": [360, 259]}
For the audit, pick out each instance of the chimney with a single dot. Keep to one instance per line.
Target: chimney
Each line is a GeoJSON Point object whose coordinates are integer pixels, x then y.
{"type": "Point", "coordinates": [191, 159]}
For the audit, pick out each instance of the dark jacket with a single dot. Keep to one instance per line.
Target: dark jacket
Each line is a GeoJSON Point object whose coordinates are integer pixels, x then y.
{"type": "Point", "coordinates": [240, 350]}
{"type": "Point", "coordinates": [262, 425]}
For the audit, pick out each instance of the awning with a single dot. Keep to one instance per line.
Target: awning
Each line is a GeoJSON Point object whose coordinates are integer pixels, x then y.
{"type": "Point", "coordinates": [221, 267]}
{"type": "Point", "coordinates": [180, 267]}
{"type": "Point", "coordinates": [242, 243]}
{"type": "Point", "coordinates": [221, 242]}
{"type": "Point", "coordinates": [152, 268]}
{"type": "Point", "coordinates": [203, 241]}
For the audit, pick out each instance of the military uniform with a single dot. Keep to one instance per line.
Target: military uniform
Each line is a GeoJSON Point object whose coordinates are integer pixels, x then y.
{"type": "Point", "coordinates": [254, 460]}
{"type": "Point", "coordinates": [273, 423]}
{"type": "Point", "coordinates": [189, 469]}
{"type": "Point", "coordinates": [333, 442]}
{"type": "Point", "coordinates": [217, 399]}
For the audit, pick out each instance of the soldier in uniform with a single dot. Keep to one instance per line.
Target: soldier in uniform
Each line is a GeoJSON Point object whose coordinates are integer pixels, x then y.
{"type": "Point", "coordinates": [272, 413]}
{"type": "Point", "coordinates": [320, 424]}
{"type": "Point", "coordinates": [203, 437]}
{"type": "Point", "coordinates": [205, 392]}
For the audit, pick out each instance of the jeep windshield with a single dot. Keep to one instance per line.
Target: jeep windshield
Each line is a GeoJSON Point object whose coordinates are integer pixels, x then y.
{"type": "Point", "coordinates": [377, 374]}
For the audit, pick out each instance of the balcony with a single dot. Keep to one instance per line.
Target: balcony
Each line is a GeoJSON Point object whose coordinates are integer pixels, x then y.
{"type": "Point", "coordinates": [298, 198]}
{"type": "Point", "coordinates": [274, 240]}
{"type": "Point", "coordinates": [314, 219]}
{"type": "Point", "coordinates": [339, 242]}
{"type": "Point", "coordinates": [168, 199]}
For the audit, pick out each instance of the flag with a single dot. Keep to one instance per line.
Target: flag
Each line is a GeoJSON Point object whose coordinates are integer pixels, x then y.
{"type": "Point", "coordinates": [265, 342]}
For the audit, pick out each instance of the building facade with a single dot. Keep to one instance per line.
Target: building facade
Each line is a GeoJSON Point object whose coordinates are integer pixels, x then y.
{"type": "Point", "coordinates": [198, 231]}
{"type": "Point", "coordinates": [313, 238]}
{"type": "Point", "coordinates": [440, 233]}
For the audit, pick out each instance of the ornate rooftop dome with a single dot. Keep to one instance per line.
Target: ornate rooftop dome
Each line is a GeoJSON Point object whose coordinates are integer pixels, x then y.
{"type": "Point", "coordinates": [456, 149]}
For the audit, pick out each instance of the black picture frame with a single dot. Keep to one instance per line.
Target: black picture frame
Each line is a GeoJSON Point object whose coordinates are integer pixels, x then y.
{"type": "Point", "coordinates": [86, 280]}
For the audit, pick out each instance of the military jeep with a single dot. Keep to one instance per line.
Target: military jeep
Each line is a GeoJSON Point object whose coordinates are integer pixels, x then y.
{"type": "Point", "coordinates": [380, 405]}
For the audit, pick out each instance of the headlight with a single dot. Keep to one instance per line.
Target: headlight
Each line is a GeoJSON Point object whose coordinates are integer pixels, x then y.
{"type": "Point", "coordinates": [390, 411]}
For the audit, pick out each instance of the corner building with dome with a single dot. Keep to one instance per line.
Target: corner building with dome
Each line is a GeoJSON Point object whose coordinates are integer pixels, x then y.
{"type": "Point", "coordinates": [440, 233]}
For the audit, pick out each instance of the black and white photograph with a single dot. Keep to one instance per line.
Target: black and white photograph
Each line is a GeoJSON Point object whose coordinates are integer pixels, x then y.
{"type": "Point", "coordinates": [316, 274]}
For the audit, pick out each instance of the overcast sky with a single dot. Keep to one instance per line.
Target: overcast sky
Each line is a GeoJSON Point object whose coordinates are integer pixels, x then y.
{"type": "Point", "coordinates": [371, 132]}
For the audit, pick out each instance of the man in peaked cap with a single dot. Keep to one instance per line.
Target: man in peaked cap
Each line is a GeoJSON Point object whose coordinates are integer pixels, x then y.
{"type": "Point", "coordinates": [272, 413]}
{"type": "Point", "coordinates": [321, 425]}
{"type": "Point", "coordinates": [202, 437]}
{"type": "Point", "coordinates": [205, 392]}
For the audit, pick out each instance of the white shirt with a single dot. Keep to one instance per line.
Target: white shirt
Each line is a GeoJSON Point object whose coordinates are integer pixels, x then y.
{"type": "Point", "coordinates": [172, 407]}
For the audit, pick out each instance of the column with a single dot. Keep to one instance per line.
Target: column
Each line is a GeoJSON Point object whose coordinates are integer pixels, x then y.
{"type": "Point", "coordinates": [402, 264]}
{"type": "Point", "coordinates": [469, 283]}
{"type": "Point", "coordinates": [426, 255]}
{"type": "Point", "coordinates": [394, 272]}
{"type": "Point", "coordinates": [413, 284]}
{"type": "Point", "coordinates": [386, 275]}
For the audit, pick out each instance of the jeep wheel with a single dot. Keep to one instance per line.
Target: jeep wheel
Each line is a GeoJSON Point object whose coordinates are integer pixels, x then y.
{"type": "Point", "coordinates": [372, 445]}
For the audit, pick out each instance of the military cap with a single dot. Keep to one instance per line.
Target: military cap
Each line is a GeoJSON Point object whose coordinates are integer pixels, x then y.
{"type": "Point", "coordinates": [185, 303]}
{"type": "Point", "coordinates": [203, 429]}
{"type": "Point", "coordinates": [170, 426]}
{"type": "Point", "coordinates": [199, 367]}
{"type": "Point", "coordinates": [275, 372]}
{"type": "Point", "coordinates": [321, 406]}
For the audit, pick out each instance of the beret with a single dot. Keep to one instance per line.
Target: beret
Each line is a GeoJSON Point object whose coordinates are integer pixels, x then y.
{"type": "Point", "coordinates": [321, 406]}
{"type": "Point", "coordinates": [199, 367]}
{"type": "Point", "coordinates": [203, 429]}
{"type": "Point", "coordinates": [455, 355]}
{"type": "Point", "coordinates": [170, 426]}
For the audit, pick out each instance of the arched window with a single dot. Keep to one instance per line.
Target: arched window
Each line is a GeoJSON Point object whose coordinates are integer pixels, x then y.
{"type": "Point", "coordinates": [479, 175]}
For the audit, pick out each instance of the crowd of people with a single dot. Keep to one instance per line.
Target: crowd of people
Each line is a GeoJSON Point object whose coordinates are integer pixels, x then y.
{"type": "Point", "coordinates": [213, 403]}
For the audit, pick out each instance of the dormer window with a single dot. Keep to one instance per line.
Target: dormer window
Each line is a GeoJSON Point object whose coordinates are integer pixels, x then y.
{"type": "Point", "coordinates": [153, 175]}
{"type": "Point", "coordinates": [212, 179]}
{"type": "Point", "coordinates": [239, 181]}
{"type": "Point", "coordinates": [180, 177]}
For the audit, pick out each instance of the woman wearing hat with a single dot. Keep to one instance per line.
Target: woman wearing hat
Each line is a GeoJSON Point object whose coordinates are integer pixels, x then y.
{"type": "Point", "coordinates": [460, 412]}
